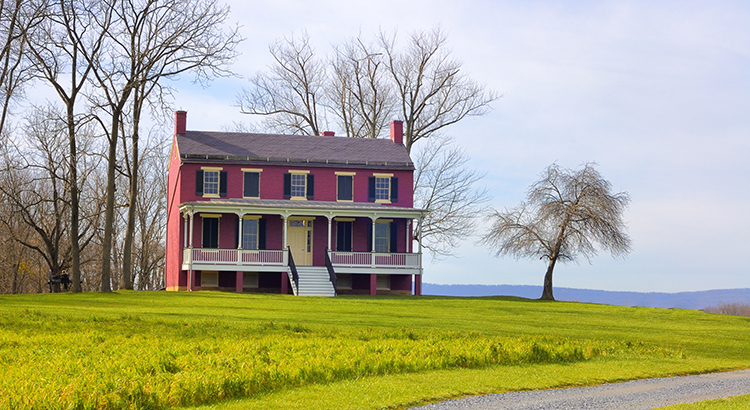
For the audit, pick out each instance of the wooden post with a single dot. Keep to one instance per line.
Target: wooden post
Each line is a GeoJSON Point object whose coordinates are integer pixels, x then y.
{"type": "Point", "coordinates": [373, 284]}
{"type": "Point", "coordinates": [417, 285]}
{"type": "Point", "coordinates": [238, 282]}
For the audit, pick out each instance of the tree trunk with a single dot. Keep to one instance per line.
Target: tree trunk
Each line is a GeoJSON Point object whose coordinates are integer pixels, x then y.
{"type": "Point", "coordinates": [547, 291]}
{"type": "Point", "coordinates": [127, 252]}
{"type": "Point", "coordinates": [109, 213]}
{"type": "Point", "coordinates": [75, 249]}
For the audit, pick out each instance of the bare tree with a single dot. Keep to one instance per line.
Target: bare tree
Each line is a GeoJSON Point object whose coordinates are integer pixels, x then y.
{"type": "Point", "coordinates": [432, 92]}
{"type": "Point", "coordinates": [62, 50]}
{"type": "Point", "coordinates": [565, 212]}
{"type": "Point", "coordinates": [34, 186]}
{"type": "Point", "coordinates": [148, 42]}
{"type": "Point", "coordinates": [446, 186]}
{"type": "Point", "coordinates": [292, 94]}
{"type": "Point", "coordinates": [359, 92]}
{"type": "Point", "coordinates": [17, 17]}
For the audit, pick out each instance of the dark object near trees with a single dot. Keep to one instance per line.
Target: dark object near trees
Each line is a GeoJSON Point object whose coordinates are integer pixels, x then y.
{"type": "Point", "coordinates": [57, 280]}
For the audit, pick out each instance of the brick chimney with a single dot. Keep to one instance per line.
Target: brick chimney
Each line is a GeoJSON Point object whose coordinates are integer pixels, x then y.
{"type": "Point", "coordinates": [180, 122]}
{"type": "Point", "coordinates": [328, 134]}
{"type": "Point", "coordinates": [397, 131]}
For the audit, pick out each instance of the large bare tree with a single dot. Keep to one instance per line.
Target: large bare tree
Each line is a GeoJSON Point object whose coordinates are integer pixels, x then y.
{"type": "Point", "coordinates": [564, 214]}
{"type": "Point", "coordinates": [148, 41]}
{"type": "Point", "coordinates": [292, 95]}
{"type": "Point", "coordinates": [432, 92]}
{"type": "Point", "coordinates": [62, 50]}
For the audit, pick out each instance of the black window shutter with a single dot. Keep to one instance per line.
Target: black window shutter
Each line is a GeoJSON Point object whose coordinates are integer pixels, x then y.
{"type": "Point", "coordinates": [310, 186]}
{"type": "Point", "coordinates": [223, 183]}
{"type": "Point", "coordinates": [287, 186]}
{"type": "Point", "coordinates": [394, 189]}
{"type": "Point", "coordinates": [345, 188]}
{"type": "Point", "coordinates": [371, 189]}
{"type": "Point", "coordinates": [252, 185]}
{"type": "Point", "coordinates": [199, 182]}
{"type": "Point", "coordinates": [369, 237]}
{"type": "Point", "coordinates": [261, 234]}
{"type": "Point", "coordinates": [394, 236]}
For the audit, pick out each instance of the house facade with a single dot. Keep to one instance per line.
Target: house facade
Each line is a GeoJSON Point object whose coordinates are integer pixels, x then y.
{"type": "Point", "coordinates": [304, 215]}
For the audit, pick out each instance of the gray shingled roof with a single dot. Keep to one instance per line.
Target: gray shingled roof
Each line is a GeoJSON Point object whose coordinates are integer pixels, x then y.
{"type": "Point", "coordinates": [203, 145]}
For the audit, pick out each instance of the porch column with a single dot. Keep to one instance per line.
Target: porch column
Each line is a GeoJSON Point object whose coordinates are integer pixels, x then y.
{"type": "Point", "coordinates": [373, 284]}
{"type": "Point", "coordinates": [185, 231]}
{"type": "Point", "coordinates": [190, 246]}
{"type": "Point", "coordinates": [407, 223]}
{"type": "Point", "coordinates": [417, 285]}
{"type": "Point", "coordinates": [239, 232]}
{"type": "Point", "coordinates": [330, 221]}
{"type": "Point", "coordinates": [283, 240]}
{"type": "Point", "coordinates": [283, 218]}
{"type": "Point", "coordinates": [238, 282]}
{"type": "Point", "coordinates": [373, 218]}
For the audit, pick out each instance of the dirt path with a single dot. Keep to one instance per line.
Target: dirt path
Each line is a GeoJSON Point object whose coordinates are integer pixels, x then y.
{"type": "Point", "coordinates": [632, 395]}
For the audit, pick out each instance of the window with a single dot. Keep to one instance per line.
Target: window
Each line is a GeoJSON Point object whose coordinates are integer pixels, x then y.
{"type": "Point", "coordinates": [383, 188]}
{"type": "Point", "coordinates": [211, 182]}
{"type": "Point", "coordinates": [251, 183]}
{"type": "Point", "coordinates": [344, 236]}
{"type": "Point", "coordinates": [250, 234]}
{"type": "Point", "coordinates": [344, 187]}
{"type": "Point", "coordinates": [382, 237]}
{"type": "Point", "coordinates": [210, 232]}
{"type": "Point", "coordinates": [299, 185]}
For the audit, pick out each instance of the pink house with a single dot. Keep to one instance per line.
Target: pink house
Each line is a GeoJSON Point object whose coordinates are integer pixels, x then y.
{"type": "Point", "coordinates": [303, 215]}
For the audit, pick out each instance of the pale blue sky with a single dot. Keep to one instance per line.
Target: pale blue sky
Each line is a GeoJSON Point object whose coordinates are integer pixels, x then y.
{"type": "Point", "coordinates": [658, 93]}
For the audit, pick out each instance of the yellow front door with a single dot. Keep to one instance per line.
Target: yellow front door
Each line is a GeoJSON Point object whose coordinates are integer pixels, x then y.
{"type": "Point", "coordinates": [300, 241]}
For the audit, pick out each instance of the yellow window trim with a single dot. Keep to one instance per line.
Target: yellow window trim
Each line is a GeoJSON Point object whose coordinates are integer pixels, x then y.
{"type": "Point", "coordinates": [344, 200]}
{"type": "Point", "coordinates": [301, 218]}
{"type": "Point", "coordinates": [210, 215]}
{"type": "Point", "coordinates": [382, 201]}
{"type": "Point", "coordinates": [382, 175]}
{"type": "Point", "coordinates": [299, 171]}
{"type": "Point", "coordinates": [346, 174]}
{"type": "Point", "coordinates": [344, 219]}
{"type": "Point", "coordinates": [383, 221]}
{"type": "Point", "coordinates": [250, 217]}
{"type": "Point", "coordinates": [211, 196]}
{"type": "Point", "coordinates": [258, 170]}
{"type": "Point", "coordinates": [298, 198]}
{"type": "Point", "coordinates": [212, 169]}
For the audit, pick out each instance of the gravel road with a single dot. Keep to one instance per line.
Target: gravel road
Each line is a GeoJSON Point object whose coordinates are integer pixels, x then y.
{"type": "Point", "coordinates": [632, 395]}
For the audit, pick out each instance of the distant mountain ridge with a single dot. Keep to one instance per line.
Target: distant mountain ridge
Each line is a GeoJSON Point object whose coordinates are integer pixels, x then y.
{"type": "Point", "coordinates": [680, 300]}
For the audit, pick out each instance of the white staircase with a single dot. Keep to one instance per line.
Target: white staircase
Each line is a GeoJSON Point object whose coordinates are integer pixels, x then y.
{"type": "Point", "coordinates": [314, 281]}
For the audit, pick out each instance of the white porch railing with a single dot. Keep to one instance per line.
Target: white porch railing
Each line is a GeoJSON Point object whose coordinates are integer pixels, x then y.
{"type": "Point", "coordinates": [375, 260]}
{"type": "Point", "coordinates": [240, 257]}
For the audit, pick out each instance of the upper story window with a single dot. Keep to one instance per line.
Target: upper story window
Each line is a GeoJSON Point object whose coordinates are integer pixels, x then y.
{"type": "Point", "coordinates": [299, 185]}
{"type": "Point", "coordinates": [345, 186]}
{"type": "Point", "coordinates": [383, 188]}
{"type": "Point", "coordinates": [210, 182]}
{"type": "Point", "coordinates": [251, 182]}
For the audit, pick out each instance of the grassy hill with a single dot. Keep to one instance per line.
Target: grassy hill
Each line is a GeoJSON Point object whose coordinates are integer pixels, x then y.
{"type": "Point", "coordinates": [160, 350]}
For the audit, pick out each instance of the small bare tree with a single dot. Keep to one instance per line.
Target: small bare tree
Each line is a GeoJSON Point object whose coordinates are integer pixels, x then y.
{"type": "Point", "coordinates": [565, 212]}
{"type": "Point", "coordinates": [445, 185]}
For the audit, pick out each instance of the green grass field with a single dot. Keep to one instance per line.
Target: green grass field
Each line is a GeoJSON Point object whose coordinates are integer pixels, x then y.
{"type": "Point", "coordinates": [130, 350]}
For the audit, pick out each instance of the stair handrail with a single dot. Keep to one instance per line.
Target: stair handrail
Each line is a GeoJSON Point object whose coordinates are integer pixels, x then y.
{"type": "Point", "coordinates": [293, 267]}
{"type": "Point", "coordinates": [331, 272]}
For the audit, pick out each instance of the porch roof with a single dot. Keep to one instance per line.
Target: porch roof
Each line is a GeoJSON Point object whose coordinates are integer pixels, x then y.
{"type": "Point", "coordinates": [287, 208]}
